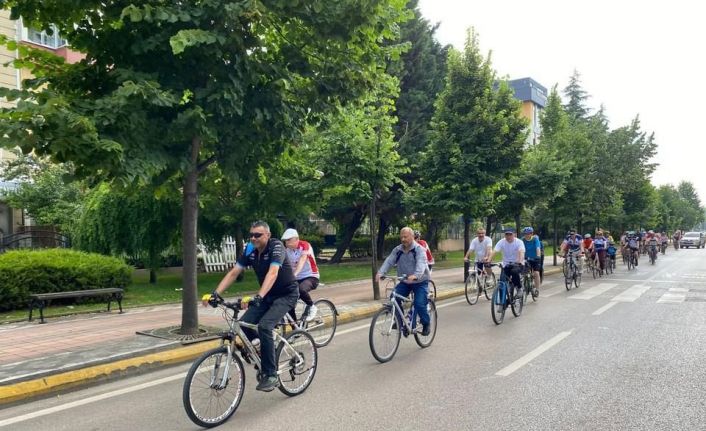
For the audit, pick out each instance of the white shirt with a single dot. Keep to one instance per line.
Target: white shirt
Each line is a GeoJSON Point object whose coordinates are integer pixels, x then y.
{"type": "Point", "coordinates": [480, 247]}
{"type": "Point", "coordinates": [510, 250]}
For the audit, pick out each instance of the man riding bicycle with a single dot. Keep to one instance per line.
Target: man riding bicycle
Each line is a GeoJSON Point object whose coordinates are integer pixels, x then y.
{"type": "Point", "coordinates": [573, 243]}
{"type": "Point", "coordinates": [411, 261]}
{"type": "Point", "coordinates": [533, 252]}
{"type": "Point", "coordinates": [513, 251]}
{"type": "Point", "coordinates": [633, 245]}
{"type": "Point", "coordinates": [277, 295]}
{"type": "Point", "coordinates": [600, 247]}
{"type": "Point", "coordinates": [652, 242]}
{"type": "Point", "coordinates": [482, 247]}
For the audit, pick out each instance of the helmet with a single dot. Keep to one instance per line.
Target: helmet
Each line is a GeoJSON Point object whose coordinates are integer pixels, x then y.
{"type": "Point", "coordinates": [588, 235]}
{"type": "Point", "coordinates": [651, 231]}
{"type": "Point", "coordinates": [527, 230]}
{"type": "Point", "coordinates": [417, 234]}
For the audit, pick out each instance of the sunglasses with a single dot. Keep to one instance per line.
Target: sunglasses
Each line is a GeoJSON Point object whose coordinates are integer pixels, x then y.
{"type": "Point", "coordinates": [256, 235]}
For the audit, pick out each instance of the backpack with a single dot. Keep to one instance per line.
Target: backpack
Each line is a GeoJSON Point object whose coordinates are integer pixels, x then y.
{"type": "Point", "coordinates": [400, 252]}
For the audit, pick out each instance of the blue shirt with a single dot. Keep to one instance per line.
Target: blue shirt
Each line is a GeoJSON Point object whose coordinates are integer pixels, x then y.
{"type": "Point", "coordinates": [531, 247]}
{"type": "Point", "coordinates": [600, 244]}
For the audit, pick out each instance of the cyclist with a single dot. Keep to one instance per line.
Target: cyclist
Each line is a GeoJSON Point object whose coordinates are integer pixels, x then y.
{"type": "Point", "coordinates": [587, 241]}
{"type": "Point", "coordinates": [533, 252]}
{"type": "Point", "coordinates": [664, 240]}
{"type": "Point", "coordinates": [633, 245]}
{"type": "Point", "coordinates": [573, 244]}
{"type": "Point", "coordinates": [420, 241]}
{"type": "Point", "coordinates": [277, 295]}
{"type": "Point", "coordinates": [482, 246]}
{"type": "Point", "coordinates": [411, 261]}
{"type": "Point", "coordinates": [301, 256]}
{"type": "Point", "coordinates": [600, 247]}
{"type": "Point", "coordinates": [513, 251]}
{"type": "Point", "coordinates": [652, 241]}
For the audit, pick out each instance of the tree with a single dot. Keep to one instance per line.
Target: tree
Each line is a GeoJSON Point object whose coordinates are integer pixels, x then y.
{"type": "Point", "coordinates": [168, 88]}
{"type": "Point", "coordinates": [47, 191]}
{"type": "Point", "coordinates": [576, 106]}
{"type": "Point", "coordinates": [117, 221]}
{"type": "Point", "coordinates": [477, 136]}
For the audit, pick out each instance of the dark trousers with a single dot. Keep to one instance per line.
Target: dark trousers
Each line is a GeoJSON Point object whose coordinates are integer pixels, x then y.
{"type": "Point", "coordinates": [305, 286]}
{"type": "Point", "coordinates": [267, 316]}
{"type": "Point", "coordinates": [421, 290]}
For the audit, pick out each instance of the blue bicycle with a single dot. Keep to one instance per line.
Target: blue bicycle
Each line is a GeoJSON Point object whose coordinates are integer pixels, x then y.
{"type": "Point", "coordinates": [506, 295]}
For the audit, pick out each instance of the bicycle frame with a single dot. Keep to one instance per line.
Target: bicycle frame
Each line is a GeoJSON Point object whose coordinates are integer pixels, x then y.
{"type": "Point", "coordinates": [236, 330]}
{"type": "Point", "coordinates": [398, 309]}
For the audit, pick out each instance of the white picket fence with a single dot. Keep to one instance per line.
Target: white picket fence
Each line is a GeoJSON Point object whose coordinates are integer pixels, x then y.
{"type": "Point", "coordinates": [219, 261]}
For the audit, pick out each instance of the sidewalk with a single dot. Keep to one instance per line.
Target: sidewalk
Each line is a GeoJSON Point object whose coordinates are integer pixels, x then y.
{"type": "Point", "coordinates": [38, 358]}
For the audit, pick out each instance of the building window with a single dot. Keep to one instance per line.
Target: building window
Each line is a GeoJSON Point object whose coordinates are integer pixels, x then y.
{"type": "Point", "coordinates": [53, 40]}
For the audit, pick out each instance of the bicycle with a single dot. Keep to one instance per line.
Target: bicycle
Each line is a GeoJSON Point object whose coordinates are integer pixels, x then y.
{"type": "Point", "coordinates": [322, 327]}
{"type": "Point", "coordinates": [480, 281]}
{"type": "Point", "coordinates": [528, 288]}
{"type": "Point", "coordinates": [215, 383]}
{"type": "Point", "coordinates": [506, 295]}
{"type": "Point", "coordinates": [390, 283]}
{"type": "Point", "coordinates": [653, 254]}
{"type": "Point", "coordinates": [663, 248]}
{"type": "Point", "coordinates": [392, 321]}
{"type": "Point", "coordinates": [632, 259]}
{"type": "Point", "coordinates": [572, 273]}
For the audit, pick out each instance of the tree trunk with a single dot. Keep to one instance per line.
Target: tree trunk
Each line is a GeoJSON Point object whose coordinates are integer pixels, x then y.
{"type": "Point", "coordinates": [517, 225]}
{"type": "Point", "coordinates": [466, 243]}
{"type": "Point", "coordinates": [382, 230]}
{"type": "Point", "coordinates": [153, 276]}
{"type": "Point", "coordinates": [239, 247]}
{"type": "Point", "coordinates": [351, 228]}
{"type": "Point", "coordinates": [374, 249]}
{"type": "Point", "coordinates": [190, 212]}
{"type": "Point", "coordinates": [489, 226]}
{"type": "Point", "coordinates": [432, 233]}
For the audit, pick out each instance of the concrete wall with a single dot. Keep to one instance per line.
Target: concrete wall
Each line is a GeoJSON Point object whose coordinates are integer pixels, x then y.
{"type": "Point", "coordinates": [451, 244]}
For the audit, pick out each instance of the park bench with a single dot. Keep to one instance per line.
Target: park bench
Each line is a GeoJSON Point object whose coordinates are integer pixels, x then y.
{"type": "Point", "coordinates": [41, 300]}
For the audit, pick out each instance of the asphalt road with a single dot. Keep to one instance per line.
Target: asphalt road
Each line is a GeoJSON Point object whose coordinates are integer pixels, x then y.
{"type": "Point", "coordinates": [623, 352]}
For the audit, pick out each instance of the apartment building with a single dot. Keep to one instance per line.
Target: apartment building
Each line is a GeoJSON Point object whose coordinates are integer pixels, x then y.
{"type": "Point", "coordinates": [533, 96]}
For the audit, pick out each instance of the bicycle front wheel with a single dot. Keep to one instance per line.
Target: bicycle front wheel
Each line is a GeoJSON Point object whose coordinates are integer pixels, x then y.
{"type": "Point", "coordinates": [498, 305]}
{"type": "Point", "coordinates": [518, 301]}
{"type": "Point", "coordinates": [213, 388]}
{"type": "Point", "coordinates": [426, 340]}
{"type": "Point", "coordinates": [472, 288]}
{"type": "Point", "coordinates": [384, 336]}
{"type": "Point", "coordinates": [489, 284]}
{"type": "Point", "coordinates": [577, 279]}
{"type": "Point", "coordinates": [323, 327]}
{"type": "Point", "coordinates": [568, 279]}
{"type": "Point", "coordinates": [296, 362]}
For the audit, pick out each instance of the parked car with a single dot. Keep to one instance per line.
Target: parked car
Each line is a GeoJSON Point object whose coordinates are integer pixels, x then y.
{"type": "Point", "coordinates": [693, 239]}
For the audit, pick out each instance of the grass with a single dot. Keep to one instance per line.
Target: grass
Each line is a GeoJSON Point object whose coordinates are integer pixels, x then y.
{"type": "Point", "coordinates": [167, 290]}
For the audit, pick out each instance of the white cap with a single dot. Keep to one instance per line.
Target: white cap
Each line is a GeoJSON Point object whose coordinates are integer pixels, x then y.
{"type": "Point", "coordinates": [289, 233]}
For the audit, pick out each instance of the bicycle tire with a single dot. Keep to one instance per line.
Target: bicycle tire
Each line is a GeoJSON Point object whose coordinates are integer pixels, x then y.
{"type": "Point", "coordinates": [289, 370]}
{"type": "Point", "coordinates": [518, 301]}
{"type": "Point", "coordinates": [432, 290]}
{"type": "Point", "coordinates": [383, 325]}
{"type": "Point", "coordinates": [569, 278]}
{"type": "Point", "coordinates": [498, 304]}
{"type": "Point", "coordinates": [472, 288]}
{"type": "Point", "coordinates": [425, 341]}
{"type": "Point", "coordinates": [526, 288]}
{"type": "Point", "coordinates": [489, 287]}
{"type": "Point", "coordinates": [201, 381]}
{"type": "Point", "coordinates": [565, 268]}
{"type": "Point", "coordinates": [577, 279]}
{"type": "Point", "coordinates": [323, 327]}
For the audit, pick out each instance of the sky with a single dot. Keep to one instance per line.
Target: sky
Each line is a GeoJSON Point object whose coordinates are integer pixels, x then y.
{"type": "Point", "coordinates": [643, 58]}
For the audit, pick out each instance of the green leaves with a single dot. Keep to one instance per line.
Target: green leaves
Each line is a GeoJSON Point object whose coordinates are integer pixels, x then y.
{"type": "Point", "coordinates": [193, 38]}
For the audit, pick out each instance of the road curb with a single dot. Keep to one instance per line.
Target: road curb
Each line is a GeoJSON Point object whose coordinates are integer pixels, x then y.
{"type": "Point", "coordinates": [126, 367]}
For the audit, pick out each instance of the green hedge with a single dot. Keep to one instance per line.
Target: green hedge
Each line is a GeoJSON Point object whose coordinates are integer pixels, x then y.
{"type": "Point", "coordinates": [24, 272]}
{"type": "Point", "coordinates": [360, 246]}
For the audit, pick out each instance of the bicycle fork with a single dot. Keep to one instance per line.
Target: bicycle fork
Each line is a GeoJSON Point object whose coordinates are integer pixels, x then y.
{"type": "Point", "coordinates": [215, 383]}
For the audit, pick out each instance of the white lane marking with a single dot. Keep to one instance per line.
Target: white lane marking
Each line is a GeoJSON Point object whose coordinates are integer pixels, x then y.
{"type": "Point", "coordinates": [672, 298]}
{"type": "Point", "coordinates": [594, 291]}
{"type": "Point", "coordinates": [658, 281]}
{"type": "Point", "coordinates": [678, 289]}
{"type": "Point", "coordinates": [533, 354]}
{"type": "Point", "coordinates": [551, 292]}
{"type": "Point", "coordinates": [632, 293]}
{"type": "Point", "coordinates": [604, 308]}
{"type": "Point", "coordinates": [119, 392]}
{"type": "Point", "coordinates": [88, 400]}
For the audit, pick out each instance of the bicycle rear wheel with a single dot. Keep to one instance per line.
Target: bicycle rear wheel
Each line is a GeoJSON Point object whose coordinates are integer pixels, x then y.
{"type": "Point", "coordinates": [472, 288]}
{"type": "Point", "coordinates": [323, 327]}
{"type": "Point", "coordinates": [384, 336]}
{"type": "Point", "coordinates": [296, 362]}
{"type": "Point", "coordinates": [426, 340]}
{"type": "Point", "coordinates": [498, 304]}
{"type": "Point", "coordinates": [211, 396]}
{"type": "Point", "coordinates": [489, 284]}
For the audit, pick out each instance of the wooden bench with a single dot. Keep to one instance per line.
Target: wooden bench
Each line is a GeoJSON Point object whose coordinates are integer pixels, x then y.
{"type": "Point", "coordinates": [41, 300]}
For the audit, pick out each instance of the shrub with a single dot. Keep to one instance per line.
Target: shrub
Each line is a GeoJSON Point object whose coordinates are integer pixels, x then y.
{"type": "Point", "coordinates": [24, 272]}
{"type": "Point", "coordinates": [360, 246]}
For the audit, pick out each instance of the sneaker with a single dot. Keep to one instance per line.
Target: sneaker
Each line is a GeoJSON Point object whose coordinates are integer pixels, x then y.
{"type": "Point", "coordinates": [535, 292]}
{"type": "Point", "coordinates": [425, 330]}
{"type": "Point", "coordinates": [311, 314]}
{"type": "Point", "coordinates": [268, 384]}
